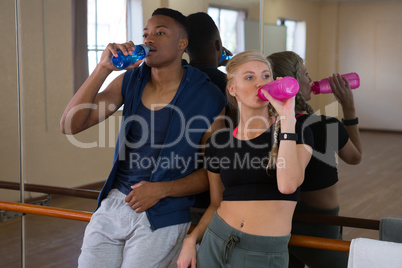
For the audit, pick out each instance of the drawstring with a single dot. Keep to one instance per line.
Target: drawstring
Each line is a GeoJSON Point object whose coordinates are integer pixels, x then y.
{"type": "Point", "coordinates": [233, 240]}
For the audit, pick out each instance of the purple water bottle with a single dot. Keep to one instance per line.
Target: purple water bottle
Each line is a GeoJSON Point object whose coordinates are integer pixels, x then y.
{"type": "Point", "coordinates": [323, 87]}
{"type": "Point", "coordinates": [280, 89]}
{"type": "Point", "coordinates": [122, 61]}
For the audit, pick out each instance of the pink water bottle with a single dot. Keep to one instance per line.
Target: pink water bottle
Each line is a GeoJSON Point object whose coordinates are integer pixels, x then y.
{"type": "Point", "coordinates": [323, 87]}
{"type": "Point", "coordinates": [280, 89]}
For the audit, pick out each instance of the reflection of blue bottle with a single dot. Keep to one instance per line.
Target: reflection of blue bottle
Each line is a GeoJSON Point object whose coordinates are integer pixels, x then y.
{"type": "Point", "coordinates": [122, 61]}
{"type": "Point", "coordinates": [225, 56]}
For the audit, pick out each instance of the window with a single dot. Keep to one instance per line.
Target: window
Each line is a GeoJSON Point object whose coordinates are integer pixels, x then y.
{"type": "Point", "coordinates": [231, 27]}
{"type": "Point", "coordinates": [106, 24]}
{"type": "Point", "coordinates": [295, 35]}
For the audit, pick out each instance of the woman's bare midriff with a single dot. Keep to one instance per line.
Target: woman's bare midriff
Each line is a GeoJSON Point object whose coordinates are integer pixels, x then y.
{"type": "Point", "coordinates": [265, 218]}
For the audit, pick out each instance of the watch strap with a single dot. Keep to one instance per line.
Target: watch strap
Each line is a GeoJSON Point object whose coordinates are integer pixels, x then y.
{"type": "Point", "coordinates": [288, 136]}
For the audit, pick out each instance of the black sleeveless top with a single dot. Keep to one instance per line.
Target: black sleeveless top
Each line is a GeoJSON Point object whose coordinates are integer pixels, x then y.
{"type": "Point", "coordinates": [329, 136]}
{"type": "Point", "coordinates": [242, 165]}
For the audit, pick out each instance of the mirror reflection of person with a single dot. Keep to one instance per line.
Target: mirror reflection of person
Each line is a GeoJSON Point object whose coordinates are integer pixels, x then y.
{"type": "Point", "coordinates": [205, 50]}
{"type": "Point", "coordinates": [143, 209]}
{"type": "Point", "coordinates": [205, 47]}
{"type": "Point", "coordinates": [319, 189]}
{"type": "Point", "coordinates": [254, 175]}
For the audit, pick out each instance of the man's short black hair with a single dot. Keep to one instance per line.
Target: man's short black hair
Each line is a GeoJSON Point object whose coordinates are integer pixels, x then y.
{"type": "Point", "coordinates": [176, 15]}
{"type": "Point", "coordinates": [202, 30]}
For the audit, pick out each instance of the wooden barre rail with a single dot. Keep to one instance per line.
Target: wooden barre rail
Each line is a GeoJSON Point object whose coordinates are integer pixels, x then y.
{"type": "Point", "coordinates": [295, 240]}
{"type": "Point", "coordinates": [299, 217]}
{"type": "Point", "coordinates": [46, 211]}
{"type": "Point", "coordinates": [319, 243]}
{"type": "Point", "coordinates": [84, 193]}
{"type": "Point", "coordinates": [337, 220]}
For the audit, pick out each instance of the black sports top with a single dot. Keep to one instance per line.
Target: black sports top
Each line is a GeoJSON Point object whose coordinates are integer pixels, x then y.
{"type": "Point", "coordinates": [329, 136]}
{"type": "Point", "coordinates": [242, 165]}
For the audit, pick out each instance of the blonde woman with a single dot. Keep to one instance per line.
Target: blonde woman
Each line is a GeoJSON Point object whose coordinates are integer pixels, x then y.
{"type": "Point", "coordinates": [318, 193]}
{"type": "Point", "coordinates": [254, 174]}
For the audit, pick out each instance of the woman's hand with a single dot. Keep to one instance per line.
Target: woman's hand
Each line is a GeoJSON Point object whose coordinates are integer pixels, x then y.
{"type": "Point", "coordinates": [188, 254]}
{"type": "Point", "coordinates": [111, 50]}
{"type": "Point", "coordinates": [343, 93]}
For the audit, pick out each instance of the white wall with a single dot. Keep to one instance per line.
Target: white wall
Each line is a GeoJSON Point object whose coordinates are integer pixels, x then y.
{"type": "Point", "coordinates": [9, 164]}
{"type": "Point", "coordinates": [370, 43]}
{"type": "Point", "coordinates": [353, 37]}
{"type": "Point", "coordinates": [48, 157]}
{"type": "Point", "coordinates": [308, 11]}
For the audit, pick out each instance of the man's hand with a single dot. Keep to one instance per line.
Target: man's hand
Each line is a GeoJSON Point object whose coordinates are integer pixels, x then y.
{"type": "Point", "coordinates": [225, 62]}
{"type": "Point", "coordinates": [144, 195]}
{"type": "Point", "coordinates": [111, 50]}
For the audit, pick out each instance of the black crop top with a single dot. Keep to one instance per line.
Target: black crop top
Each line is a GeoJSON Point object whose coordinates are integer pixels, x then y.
{"type": "Point", "coordinates": [242, 165]}
{"type": "Point", "coordinates": [329, 136]}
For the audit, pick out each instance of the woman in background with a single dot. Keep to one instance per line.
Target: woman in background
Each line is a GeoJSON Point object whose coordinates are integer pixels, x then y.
{"type": "Point", "coordinates": [319, 189]}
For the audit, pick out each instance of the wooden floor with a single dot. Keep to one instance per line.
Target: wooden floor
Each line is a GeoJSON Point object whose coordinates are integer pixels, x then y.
{"type": "Point", "coordinates": [371, 190]}
{"type": "Point", "coordinates": [50, 242]}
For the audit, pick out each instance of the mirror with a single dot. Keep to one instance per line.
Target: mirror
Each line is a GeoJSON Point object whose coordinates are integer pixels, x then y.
{"type": "Point", "coordinates": [30, 121]}
{"type": "Point", "coordinates": [339, 38]}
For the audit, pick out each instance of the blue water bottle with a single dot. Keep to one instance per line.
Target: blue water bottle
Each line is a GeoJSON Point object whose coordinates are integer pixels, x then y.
{"type": "Point", "coordinates": [225, 56]}
{"type": "Point", "coordinates": [122, 61]}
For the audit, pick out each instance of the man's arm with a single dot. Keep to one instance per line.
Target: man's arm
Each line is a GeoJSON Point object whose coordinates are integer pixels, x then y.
{"type": "Point", "coordinates": [146, 194]}
{"type": "Point", "coordinates": [88, 107]}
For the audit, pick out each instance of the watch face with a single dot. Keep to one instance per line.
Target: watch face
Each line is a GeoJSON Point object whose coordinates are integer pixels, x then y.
{"type": "Point", "coordinates": [288, 136]}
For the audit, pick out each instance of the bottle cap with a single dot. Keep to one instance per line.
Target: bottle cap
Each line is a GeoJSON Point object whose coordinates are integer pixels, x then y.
{"type": "Point", "coordinates": [144, 47]}
{"type": "Point", "coordinates": [354, 80]}
{"type": "Point", "coordinates": [290, 86]}
{"type": "Point", "coordinates": [315, 87]}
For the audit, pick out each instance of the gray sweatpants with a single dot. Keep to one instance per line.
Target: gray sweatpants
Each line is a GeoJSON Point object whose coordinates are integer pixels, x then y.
{"type": "Point", "coordinates": [117, 236]}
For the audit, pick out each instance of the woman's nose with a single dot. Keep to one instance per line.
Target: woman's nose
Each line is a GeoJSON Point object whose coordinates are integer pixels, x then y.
{"type": "Point", "coordinates": [260, 83]}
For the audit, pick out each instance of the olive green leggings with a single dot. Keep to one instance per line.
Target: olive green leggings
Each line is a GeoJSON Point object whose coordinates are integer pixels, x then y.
{"type": "Point", "coordinates": [224, 246]}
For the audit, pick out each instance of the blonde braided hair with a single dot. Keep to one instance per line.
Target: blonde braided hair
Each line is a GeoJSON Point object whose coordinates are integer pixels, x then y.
{"type": "Point", "coordinates": [288, 63]}
{"type": "Point", "coordinates": [273, 156]}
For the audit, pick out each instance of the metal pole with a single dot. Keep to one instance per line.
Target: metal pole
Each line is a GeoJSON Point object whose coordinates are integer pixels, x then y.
{"type": "Point", "coordinates": [20, 140]}
{"type": "Point", "coordinates": [262, 3]}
